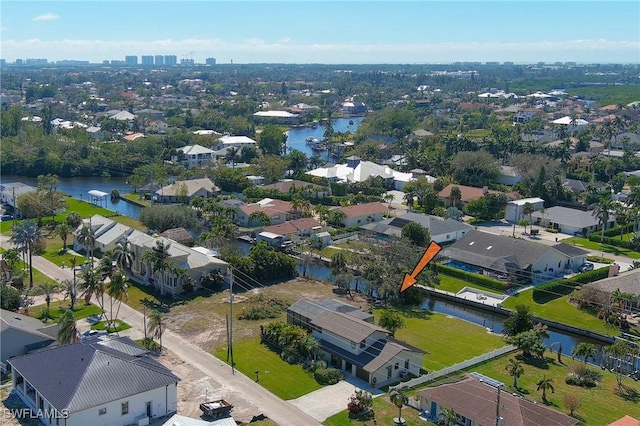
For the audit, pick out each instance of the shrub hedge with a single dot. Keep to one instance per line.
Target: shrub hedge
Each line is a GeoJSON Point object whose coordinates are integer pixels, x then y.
{"type": "Point", "coordinates": [327, 376]}
{"type": "Point", "coordinates": [471, 277]}
{"type": "Point", "coordinates": [615, 231]}
{"type": "Point", "coordinates": [613, 241]}
{"type": "Point", "coordinates": [566, 286]}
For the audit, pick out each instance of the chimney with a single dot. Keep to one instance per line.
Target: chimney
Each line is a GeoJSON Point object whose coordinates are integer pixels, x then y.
{"type": "Point", "coordinates": [485, 189]}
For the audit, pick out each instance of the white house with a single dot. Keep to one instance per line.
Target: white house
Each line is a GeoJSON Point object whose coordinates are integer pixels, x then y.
{"type": "Point", "coordinates": [195, 155]}
{"type": "Point", "coordinates": [570, 221]}
{"type": "Point", "coordinates": [283, 117]}
{"type": "Point", "coordinates": [106, 232]}
{"type": "Point", "coordinates": [351, 342]}
{"type": "Point", "coordinates": [509, 175]}
{"type": "Point", "coordinates": [514, 208]}
{"type": "Point", "coordinates": [237, 141]}
{"type": "Point", "coordinates": [360, 214]}
{"type": "Point", "coordinates": [571, 124]}
{"type": "Point", "coordinates": [184, 190]}
{"type": "Point", "coordinates": [98, 382]}
{"type": "Point", "coordinates": [356, 170]}
{"type": "Point", "coordinates": [441, 230]}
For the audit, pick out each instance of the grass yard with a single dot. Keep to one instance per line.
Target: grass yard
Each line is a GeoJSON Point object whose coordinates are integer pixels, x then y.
{"type": "Point", "coordinates": [560, 310]}
{"type": "Point", "coordinates": [454, 285]}
{"type": "Point", "coordinates": [284, 380]}
{"type": "Point", "coordinates": [384, 411]}
{"type": "Point", "coordinates": [602, 248]}
{"type": "Point", "coordinates": [102, 325]}
{"type": "Point", "coordinates": [81, 310]}
{"type": "Point", "coordinates": [139, 295]}
{"type": "Point", "coordinates": [135, 198]}
{"type": "Point", "coordinates": [600, 405]}
{"type": "Point", "coordinates": [447, 340]}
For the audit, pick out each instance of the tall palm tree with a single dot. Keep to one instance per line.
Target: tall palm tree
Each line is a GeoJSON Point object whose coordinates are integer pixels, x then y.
{"type": "Point", "coordinates": [158, 259]}
{"type": "Point", "coordinates": [68, 331]}
{"type": "Point", "coordinates": [544, 385]}
{"type": "Point", "coordinates": [124, 255]}
{"type": "Point", "coordinates": [232, 154]}
{"type": "Point", "coordinates": [63, 230]}
{"type": "Point", "coordinates": [448, 417]}
{"type": "Point", "coordinates": [399, 398]}
{"type": "Point", "coordinates": [155, 326]}
{"type": "Point", "coordinates": [25, 235]}
{"type": "Point", "coordinates": [69, 289]}
{"type": "Point", "coordinates": [73, 260]}
{"type": "Point", "coordinates": [261, 217]}
{"type": "Point", "coordinates": [92, 285]}
{"type": "Point", "coordinates": [106, 267]}
{"type": "Point", "coordinates": [338, 263]}
{"type": "Point", "coordinates": [47, 289]}
{"type": "Point", "coordinates": [585, 351]}
{"type": "Point", "coordinates": [409, 197]}
{"type": "Point", "coordinates": [602, 210]}
{"type": "Point", "coordinates": [87, 238]}
{"type": "Point", "coordinates": [515, 369]}
{"type": "Point", "coordinates": [117, 289]}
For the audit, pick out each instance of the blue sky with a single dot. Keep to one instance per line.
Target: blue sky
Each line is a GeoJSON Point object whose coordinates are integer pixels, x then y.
{"type": "Point", "coordinates": [324, 31]}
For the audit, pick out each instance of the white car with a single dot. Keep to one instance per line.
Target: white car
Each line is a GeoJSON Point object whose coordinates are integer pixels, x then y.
{"type": "Point", "coordinates": [90, 334]}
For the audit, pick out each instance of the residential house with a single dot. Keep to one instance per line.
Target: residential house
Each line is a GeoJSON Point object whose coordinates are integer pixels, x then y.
{"type": "Point", "coordinates": [21, 334]}
{"type": "Point", "coordinates": [570, 221]}
{"type": "Point", "coordinates": [179, 235]}
{"type": "Point", "coordinates": [628, 282]}
{"type": "Point", "coordinates": [514, 213]}
{"type": "Point", "coordinates": [133, 136]}
{"type": "Point", "coordinates": [95, 132]}
{"type": "Point", "coordinates": [509, 175]}
{"type": "Point", "coordinates": [625, 421]}
{"type": "Point", "coordinates": [360, 214]}
{"type": "Point", "coordinates": [441, 230]}
{"type": "Point", "coordinates": [578, 186]}
{"type": "Point", "coordinates": [277, 117]}
{"type": "Point", "coordinates": [473, 399]}
{"type": "Point", "coordinates": [106, 232]}
{"type": "Point", "coordinates": [470, 193]}
{"type": "Point", "coordinates": [236, 141]}
{"type": "Point", "coordinates": [356, 170]}
{"type": "Point", "coordinates": [571, 124]}
{"type": "Point", "coordinates": [121, 115]}
{"type": "Point", "coordinates": [354, 107]}
{"type": "Point", "coordinates": [194, 156]}
{"type": "Point", "coordinates": [109, 381]}
{"type": "Point", "coordinates": [501, 256]}
{"type": "Point", "coordinates": [195, 262]}
{"type": "Point", "coordinates": [288, 186]}
{"type": "Point", "coordinates": [153, 114]}
{"type": "Point", "coordinates": [351, 342]}
{"type": "Point", "coordinates": [178, 420]}
{"type": "Point", "coordinates": [9, 192]}
{"type": "Point", "coordinates": [183, 191]}
{"type": "Point", "coordinates": [156, 126]}
{"type": "Point", "coordinates": [296, 230]}
{"type": "Point", "coordinates": [278, 211]}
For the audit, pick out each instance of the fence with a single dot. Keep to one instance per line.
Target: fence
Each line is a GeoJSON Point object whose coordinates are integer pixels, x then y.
{"type": "Point", "coordinates": [454, 368]}
{"type": "Point", "coordinates": [342, 238]}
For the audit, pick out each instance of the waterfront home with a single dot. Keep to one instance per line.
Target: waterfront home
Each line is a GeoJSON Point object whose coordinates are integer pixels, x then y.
{"type": "Point", "coordinates": [441, 230]}
{"type": "Point", "coordinates": [470, 193]}
{"type": "Point", "coordinates": [193, 156]}
{"type": "Point", "coordinates": [350, 341]}
{"type": "Point", "coordinates": [9, 192]}
{"type": "Point", "coordinates": [236, 141]}
{"type": "Point", "coordinates": [107, 233]}
{"type": "Point", "coordinates": [513, 211]}
{"type": "Point", "coordinates": [21, 334]}
{"type": "Point", "coordinates": [98, 381]}
{"type": "Point", "coordinates": [570, 221]}
{"type": "Point", "coordinates": [296, 230]}
{"type": "Point", "coordinates": [502, 256]}
{"type": "Point", "coordinates": [288, 186]}
{"type": "Point", "coordinates": [278, 212]}
{"type": "Point", "coordinates": [356, 170]}
{"type": "Point", "coordinates": [473, 399]}
{"type": "Point", "coordinates": [360, 214]}
{"type": "Point", "coordinates": [183, 191]}
{"type": "Point", "coordinates": [277, 117]}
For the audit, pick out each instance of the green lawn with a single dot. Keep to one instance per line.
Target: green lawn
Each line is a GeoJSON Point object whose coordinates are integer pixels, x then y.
{"type": "Point", "coordinates": [384, 414]}
{"type": "Point", "coordinates": [447, 340]}
{"type": "Point", "coordinates": [284, 380]}
{"type": "Point", "coordinates": [81, 310]}
{"type": "Point", "coordinates": [454, 285]}
{"type": "Point", "coordinates": [102, 325]}
{"type": "Point", "coordinates": [602, 248]}
{"type": "Point", "coordinates": [600, 405]}
{"type": "Point", "coordinates": [136, 198]}
{"type": "Point", "coordinates": [54, 255]}
{"type": "Point", "coordinates": [560, 310]}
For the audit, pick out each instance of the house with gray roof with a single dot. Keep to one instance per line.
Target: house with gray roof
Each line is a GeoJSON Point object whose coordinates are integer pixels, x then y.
{"type": "Point", "coordinates": [351, 342]}
{"type": "Point", "coordinates": [500, 257]}
{"type": "Point", "coordinates": [441, 230]}
{"type": "Point", "coordinates": [21, 334]}
{"type": "Point", "coordinates": [104, 381]}
{"type": "Point", "coordinates": [570, 221]}
{"type": "Point", "coordinates": [628, 282]}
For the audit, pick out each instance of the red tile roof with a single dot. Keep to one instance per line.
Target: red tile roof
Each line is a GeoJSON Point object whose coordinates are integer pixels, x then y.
{"type": "Point", "coordinates": [364, 209]}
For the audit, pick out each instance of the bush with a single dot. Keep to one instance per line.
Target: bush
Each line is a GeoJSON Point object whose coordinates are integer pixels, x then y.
{"type": "Point", "coordinates": [9, 298]}
{"type": "Point", "coordinates": [552, 231]}
{"type": "Point", "coordinates": [473, 278]}
{"type": "Point", "coordinates": [257, 313]}
{"type": "Point", "coordinates": [613, 241]}
{"type": "Point", "coordinates": [566, 286]}
{"type": "Point", "coordinates": [599, 259]}
{"type": "Point", "coordinates": [213, 281]}
{"type": "Point", "coordinates": [327, 376]}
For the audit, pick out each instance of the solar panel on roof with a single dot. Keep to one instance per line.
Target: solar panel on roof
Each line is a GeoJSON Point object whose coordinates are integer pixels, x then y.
{"type": "Point", "coordinates": [487, 380]}
{"type": "Point", "coordinates": [399, 222]}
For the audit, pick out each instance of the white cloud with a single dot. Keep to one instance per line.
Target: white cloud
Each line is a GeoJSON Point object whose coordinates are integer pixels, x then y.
{"type": "Point", "coordinates": [260, 51]}
{"type": "Point", "coordinates": [46, 17]}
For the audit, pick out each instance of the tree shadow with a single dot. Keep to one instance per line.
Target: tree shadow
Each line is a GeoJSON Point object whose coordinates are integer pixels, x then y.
{"type": "Point", "coordinates": [540, 363]}
{"type": "Point", "coordinates": [628, 393]}
{"type": "Point", "coordinates": [416, 312]}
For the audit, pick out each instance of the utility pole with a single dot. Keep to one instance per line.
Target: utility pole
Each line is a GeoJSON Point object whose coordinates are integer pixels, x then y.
{"type": "Point", "coordinates": [498, 408]}
{"type": "Point", "coordinates": [152, 186]}
{"type": "Point", "coordinates": [233, 371]}
{"type": "Point", "coordinates": [15, 207]}
{"type": "Point", "coordinates": [144, 322]}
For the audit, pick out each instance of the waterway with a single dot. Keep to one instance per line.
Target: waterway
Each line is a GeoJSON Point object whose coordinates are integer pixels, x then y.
{"type": "Point", "coordinates": [79, 187]}
{"type": "Point", "coordinates": [297, 136]}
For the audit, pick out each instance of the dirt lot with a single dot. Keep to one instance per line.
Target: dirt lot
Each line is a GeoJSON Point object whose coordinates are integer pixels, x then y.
{"type": "Point", "coordinates": [203, 320]}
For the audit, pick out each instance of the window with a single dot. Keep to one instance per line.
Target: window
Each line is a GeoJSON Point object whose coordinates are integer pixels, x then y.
{"type": "Point", "coordinates": [389, 370]}
{"type": "Point", "coordinates": [124, 408]}
{"type": "Point", "coordinates": [102, 411]}
{"type": "Point", "coordinates": [353, 345]}
{"type": "Point", "coordinates": [395, 367]}
{"type": "Point", "coordinates": [406, 365]}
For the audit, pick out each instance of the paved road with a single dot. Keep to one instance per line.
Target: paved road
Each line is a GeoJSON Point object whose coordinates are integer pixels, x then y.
{"type": "Point", "coordinates": [281, 412]}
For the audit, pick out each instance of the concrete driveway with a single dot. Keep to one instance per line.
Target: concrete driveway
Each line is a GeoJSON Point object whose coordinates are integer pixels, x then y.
{"type": "Point", "coordinates": [332, 399]}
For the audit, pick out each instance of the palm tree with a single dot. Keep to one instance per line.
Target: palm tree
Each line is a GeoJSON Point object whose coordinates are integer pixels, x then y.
{"type": "Point", "coordinates": [520, 321]}
{"type": "Point", "coordinates": [399, 398]}
{"type": "Point", "coordinates": [448, 417]}
{"type": "Point", "coordinates": [261, 217]}
{"type": "Point", "coordinates": [338, 263]}
{"type": "Point", "coordinates": [515, 369]}
{"type": "Point", "coordinates": [92, 286]}
{"type": "Point", "coordinates": [158, 258]}
{"type": "Point", "coordinates": [585, 351]}
{"type": "Point", "coordinates": [231, 156]}
{"type": "Point", "coordinates": [155, 326]}
{"type": "Point", "coordinates": [117, 289]}
{"type": "Point", "coordinates": [25, 235]}
{"type": "Point", "coordinates": [63, 230]}
{"type": "Point", "coordinates": [124, 255]}
{"type": "Point", "coordinates": [87, 238]}
{"type": "Point", "coordinates": [409, 197]}
{"type": "Point", "coordinates": [47, 289]}
{"type": "Point", "coordinates": [68, 331]}
{"type": "Point", "coordinates": [602, 210]}
{"type": "Point", "coordinates": [69, 288]}
{"type": "Point", "coordinates": [106, 266]}
{"type": "Point", "coordinates": [73, 260]}
{"type": "Point", "coordinates": [544, 385]}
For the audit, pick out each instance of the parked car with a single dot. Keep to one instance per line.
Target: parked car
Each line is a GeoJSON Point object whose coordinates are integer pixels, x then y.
{"type": "Point", "coordinates": [90, 334]}
{"type": "Point", "coordinates": [586, 267]}
{"type": "Point", "coordinates": [6, 217]}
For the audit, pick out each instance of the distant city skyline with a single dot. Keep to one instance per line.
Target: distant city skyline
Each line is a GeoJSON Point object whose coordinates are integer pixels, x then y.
{"type": "Point", "coordinates": [306, 31]}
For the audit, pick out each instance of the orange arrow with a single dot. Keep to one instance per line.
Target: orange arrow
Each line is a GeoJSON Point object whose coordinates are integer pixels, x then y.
{"type": "Point", "coordinates": [427, 257]}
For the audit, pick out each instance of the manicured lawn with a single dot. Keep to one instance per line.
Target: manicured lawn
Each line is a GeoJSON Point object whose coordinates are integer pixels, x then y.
{"type": "Point", "coordinates": [54, 254]}
{"type": "Point", "coordinates": [285, 380]}
{"type": "Point", "coordinates": [138, 296]}
{"type": "Point", "coordinates": [384, 411]}
{"type": "Point", "coordinates": [602, 248]}
{"type": "Point", "coordinates": [600, 405]}
{"type": "Point", "coordinates": [81, 310]}
{"type": "Point", "coordinates": [560, 310]}
{"type": "Point", "coordinates": [454, 285]}
{"type": "Point", "coordinates": [447, 340]}
{"type": "Point", "coordinates": [136, 198]}
{"type": "Point", "coordinates": [102, 325]}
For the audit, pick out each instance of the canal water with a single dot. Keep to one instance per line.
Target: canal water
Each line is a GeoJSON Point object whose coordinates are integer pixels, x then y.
{"type": "Point", "coordinates": [297, 136]}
